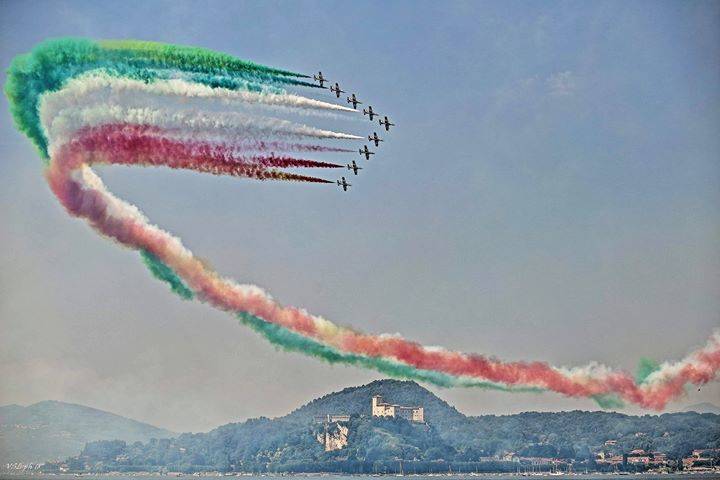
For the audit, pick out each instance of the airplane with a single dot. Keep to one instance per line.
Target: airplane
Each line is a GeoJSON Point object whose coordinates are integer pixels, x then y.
{"type": "Point", "coordinates": [375, 138]}
{"type": "Point", "coordinates": [343, 184]}
{"type": "Point", "coordinates": [370, 112]}
{"type": "Point", "coordinates": [352, 99]}
{"type": "Point", "coordinates": [354, 167]}
{"type": "Point", "coordinates": [336, 90]}
{"type": "Point", "coordinates": [320, 79]}
{"type": "Point", "coordinates": [386, 124]}
{"type": "Point", "coordinates": [366, 152]}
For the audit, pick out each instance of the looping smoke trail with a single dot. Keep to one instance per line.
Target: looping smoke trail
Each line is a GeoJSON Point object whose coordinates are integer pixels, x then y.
{"type": "Point", "coordinates": [75, 124]}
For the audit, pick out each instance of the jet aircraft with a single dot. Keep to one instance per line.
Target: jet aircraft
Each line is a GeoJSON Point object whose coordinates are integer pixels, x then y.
{"type": "Point", "coordinates": [354, 167]}
{"type": "Point", "coordinates": [320, 79]}
{"type": "Point", "coordinates": [352, 99]}
{"type": "Point", "coordinates": [370, 112]}
{"type": "Point", "coordinates": [343, 184]}
{"type": "Point", "coordinates": [366, 152]}
{"type": "Point", "coordinates": [336, 90]}
{"type": "Point", "coordinates": [386, 123]}
{"type": "Point", "coordinates": [375, 138]}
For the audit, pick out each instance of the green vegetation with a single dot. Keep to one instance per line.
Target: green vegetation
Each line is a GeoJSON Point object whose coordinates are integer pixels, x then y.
{"type": "Point", "coordinates": [450, 441]}
{"type": "Point", "coordinates": [54, 430]}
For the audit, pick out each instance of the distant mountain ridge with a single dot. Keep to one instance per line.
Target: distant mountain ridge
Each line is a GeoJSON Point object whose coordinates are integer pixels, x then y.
{"type": "Point", "coordinates": [52, 430]}
{"type": "Point", "coordinates": [705, 407]}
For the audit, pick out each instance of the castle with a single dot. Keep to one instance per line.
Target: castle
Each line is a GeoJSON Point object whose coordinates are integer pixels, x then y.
{"type": "Point", "coordinates": [335, 434]}
{"type": "Point", "coordinates": [383, 409]}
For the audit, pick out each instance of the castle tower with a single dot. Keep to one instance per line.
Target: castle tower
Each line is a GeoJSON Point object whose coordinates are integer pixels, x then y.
{"type": "Point", "coordinates": [377, 409]}
{"type": "Point", "coordinates": [418, 415]}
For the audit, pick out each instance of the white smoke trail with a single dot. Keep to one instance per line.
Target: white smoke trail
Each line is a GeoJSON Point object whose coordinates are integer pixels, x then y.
{"type": "Point", "coordinates": [668, 370]}
{"type": "Point", "coordinates": [60, 127]}
{"type": "Point", "coordinates": [99, 86]}
{"type": "Point", "coordinates": [238, 142]}
{"type": "Point", "coordinates": [119, 209]}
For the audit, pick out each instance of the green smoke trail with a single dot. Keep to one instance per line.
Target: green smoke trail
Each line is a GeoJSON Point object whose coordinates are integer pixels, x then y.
{"type": "Point", "coordinates": [646, 366]}
{"type": "Point", "coordinates": [178, 56]}
{"type": "Point", "coordinates": [608, 402]}
{"type": "Point", "coordinates": [51, 63]}
{"type": "Point", "coordinates": [291, 341]}
{"type": "Point", "coordinates": [294, 342]}
{"type": "Point", "coordinates": [164, 273]}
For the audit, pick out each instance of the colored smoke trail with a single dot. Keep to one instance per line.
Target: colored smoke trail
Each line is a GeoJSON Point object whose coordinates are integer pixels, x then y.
{"type": "Point", "coordinates": [76, 124]}
{"type": "Point", "coordinates": [261, 146]}
{"type": "Point", "coordinates": [113, 130]}
{"type": "Point", "coordinates": [97, 87]}
{"type": "Point", "coordinates": [127, 145]}
{"type": "Point", "coordinates": [52, 63]}
{"type": "Point", "coordinates": [232, 126]}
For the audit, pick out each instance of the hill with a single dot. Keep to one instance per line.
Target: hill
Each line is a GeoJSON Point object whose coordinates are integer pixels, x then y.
{"type": "Point", "coordinates": [705, 407]}
{"type": "Point", "coordinates": [355, 401]}
{"type": "Point", "coordinates": [449, 439]}
{"type": "Point", "coordinates": [52, 430]}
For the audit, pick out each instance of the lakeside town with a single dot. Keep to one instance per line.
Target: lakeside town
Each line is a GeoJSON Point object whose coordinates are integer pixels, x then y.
{"type": "Point", "coordinates": [636, 461]}
{"type": "Point", "coordinates": [700, 461]}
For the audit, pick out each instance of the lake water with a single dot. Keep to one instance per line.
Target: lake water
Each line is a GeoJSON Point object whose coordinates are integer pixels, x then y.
{"type": "Point", "coordinates": [593, 476]}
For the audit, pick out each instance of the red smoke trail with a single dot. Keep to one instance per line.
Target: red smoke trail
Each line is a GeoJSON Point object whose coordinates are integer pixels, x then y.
{"type": "Point", "coordinates": [244, 145]}
{"type": "Point", "coordinates": [273, 160]}
{"type": "Point", "coordinates": [478, 366]}
{"type": "Point", "coordinates": [699, 370]}
{"type": "Point", "coordinates": [118, 220]}
{"type": "Point", "coordinates": [188, 146]}
{"type": "Point", "coordinates": [128, 145]}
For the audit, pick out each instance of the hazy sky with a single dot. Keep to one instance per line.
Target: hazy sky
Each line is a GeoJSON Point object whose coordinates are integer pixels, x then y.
{"type": "Point", "coordinates": [551, 192]}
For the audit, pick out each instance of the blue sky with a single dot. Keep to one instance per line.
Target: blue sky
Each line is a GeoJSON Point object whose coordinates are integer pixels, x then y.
{"type": "Point", "coordinates": [551, 192]}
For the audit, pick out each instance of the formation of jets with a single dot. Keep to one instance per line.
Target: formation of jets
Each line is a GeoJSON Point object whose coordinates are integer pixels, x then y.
{"type": "Point", "coordinates": [353, 100]}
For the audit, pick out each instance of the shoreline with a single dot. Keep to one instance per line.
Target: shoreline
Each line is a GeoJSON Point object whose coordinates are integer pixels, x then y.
{"type": "Point", "coordinates": [20, 475]}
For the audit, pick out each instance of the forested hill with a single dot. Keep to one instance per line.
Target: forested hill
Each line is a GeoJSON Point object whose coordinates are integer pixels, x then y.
{"type": "Point", "coordinates": [50, 429]}
{"type": "Point", "coordinates": [675, 434]}
{"type": "Point", "coordinates": [290, 443]}
{"type": "Point", "coordinates": [356, 401]}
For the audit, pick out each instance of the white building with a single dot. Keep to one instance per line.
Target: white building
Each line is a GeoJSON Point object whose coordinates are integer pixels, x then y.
{"type": "Point", "coordinates": [383, 409]}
